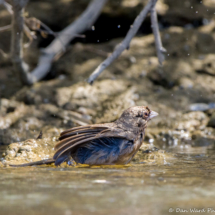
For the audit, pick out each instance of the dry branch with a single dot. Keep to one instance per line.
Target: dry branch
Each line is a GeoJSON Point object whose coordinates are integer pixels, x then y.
{"type": "Point", "coordinates": [28, 33]}
{"type": "Point", "coordinates": [4, 55]}
{"type": "Point", "coordinates": [20, 67]}
{"type": "Point", "coordinates": [7, 6]}
{"type": "Point", "coordinates": [5, 28]}
{"type": "Point", "coordinates": [57, 46]}
{"type": "Point", "coordinates": [158, 44]}
{"type": "Point", "coordinates": [125, 43]}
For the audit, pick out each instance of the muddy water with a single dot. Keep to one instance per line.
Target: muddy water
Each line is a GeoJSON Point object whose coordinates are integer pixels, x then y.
{"type": "Point", "coordinates": [183, 180]}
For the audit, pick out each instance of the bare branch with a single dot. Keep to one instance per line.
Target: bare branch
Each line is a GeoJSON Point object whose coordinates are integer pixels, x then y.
{"type": "Point", "coordinates": [158, 44]}
{"type": "Point", "coordinates": [30, 34]}
{"type": "Point", "coordinates": [20, 67]}
{"type": "Point", "coordinates": [8, 7]}
{"type": "Point", "coordinates": [4, 55]}
{"type": "Point", "coordinates": [5, 28]}
{"type": "Point", "coordinates": [35, 24]}
{"type": "Point", "coordinates": [57, 47]}
{"type": "Point", "coordinates": [81, 24]}
{"type": "Point", "coordinates": [49, 31]}
{"type": "Point", "coordinates": [125, 43]}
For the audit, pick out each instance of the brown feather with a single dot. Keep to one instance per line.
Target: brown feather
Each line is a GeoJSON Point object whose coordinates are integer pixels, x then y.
{"type": "Point", "coordinates": [80, 131]}
{"type": "Point", "coordinates": [71, 146]}
{"type": "Point", "coordinates": [69, 135]}
{"type": "Point", "coordinates": [73, 134]}
{"type": "Point", "coordinates": [70, 143]}
{"type": "Point", "coordinates": [72, 137]}
{"type": "Point", "coordinates": [74, 129]}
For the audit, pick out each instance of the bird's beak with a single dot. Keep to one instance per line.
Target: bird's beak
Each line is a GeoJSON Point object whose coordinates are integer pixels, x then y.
{"type": "Point", "coordinates": [153, 114]}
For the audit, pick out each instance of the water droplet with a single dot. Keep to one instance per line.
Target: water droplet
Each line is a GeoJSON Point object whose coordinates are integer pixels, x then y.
{"type": "Point", "coordinates": [151, 140]}
{"type": "Point", "coordinates": [133, 59]}
{"type": "Point", "coordinates": [205, 21]}
{"type": "Point", "coordinates": [100, 181]}
{"type": "Point", "coordinates": [61, 77]}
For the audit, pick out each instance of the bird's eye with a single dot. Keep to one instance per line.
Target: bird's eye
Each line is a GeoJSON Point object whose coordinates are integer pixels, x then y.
{"type": "Point", "coordinates": [146, 114]}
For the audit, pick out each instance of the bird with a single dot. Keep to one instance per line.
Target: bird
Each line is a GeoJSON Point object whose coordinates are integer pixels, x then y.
{"type": "Point", "coordinates": [102, 144]}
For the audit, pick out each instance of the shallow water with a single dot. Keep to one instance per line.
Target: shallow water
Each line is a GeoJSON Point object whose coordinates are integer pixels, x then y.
{"type": "Point", "coordinates": [182, 181]}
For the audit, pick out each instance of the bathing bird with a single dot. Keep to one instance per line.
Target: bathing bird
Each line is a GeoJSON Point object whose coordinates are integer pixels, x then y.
{"type": "Point", "coordinates": [102, 144]}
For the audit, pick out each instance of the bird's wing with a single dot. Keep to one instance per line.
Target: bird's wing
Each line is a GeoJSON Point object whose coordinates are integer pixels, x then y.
{"type": "Point", "coordinates": [78, 132]}
{"type": "Point", "coordinates": [73, 138]}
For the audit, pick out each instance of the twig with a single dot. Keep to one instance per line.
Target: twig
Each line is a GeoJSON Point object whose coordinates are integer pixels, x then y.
{"type": "Point", "coordinates": [28, 33]}
{"type": "Point", "coordinates": [96, 51]}
{"type": "Point", "coordinates": [158, 44]}
{"type": "Point", "coordinates": [56, 33]}
{"type": "Point", "coordinates": [125, 43]}
{"type": "Point", "coordinates": [4, 55]}
{"type": "Point", "coordinates": [84, 22]}
{"type": "Point", "coordinates": [8, 7]}
{"type": "Point", "coordinates": [35, 25]}
{"type": "Point", "coordinates": [20, 67]}
{"type": "Point", "coordinates": [5, 28]}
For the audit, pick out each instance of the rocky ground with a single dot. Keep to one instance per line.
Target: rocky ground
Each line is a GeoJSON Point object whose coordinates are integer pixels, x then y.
{"type": "Point", "coordinates": [182, 91]}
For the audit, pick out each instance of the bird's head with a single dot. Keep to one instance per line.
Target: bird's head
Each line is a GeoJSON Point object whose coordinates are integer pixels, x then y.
{"type": "Point", "coordinates": [138, 115]}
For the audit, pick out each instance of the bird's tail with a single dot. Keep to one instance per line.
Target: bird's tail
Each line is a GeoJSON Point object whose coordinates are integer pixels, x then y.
{"type": "Point", "coordinates": [41, 162]}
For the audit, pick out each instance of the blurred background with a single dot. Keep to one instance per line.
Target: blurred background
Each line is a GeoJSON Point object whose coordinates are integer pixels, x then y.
{"type": "Point", "coordinates": [182, 91]}
{"type": "Point", "coordinates": [186, 78]}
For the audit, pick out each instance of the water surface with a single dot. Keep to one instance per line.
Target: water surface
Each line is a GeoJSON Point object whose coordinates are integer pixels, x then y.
{"type": "Point", "coordinates": [181, 180]}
